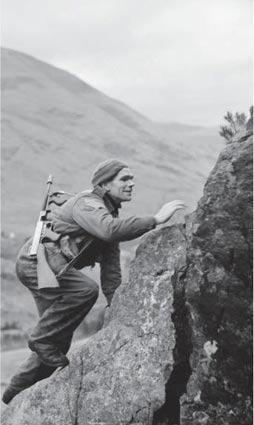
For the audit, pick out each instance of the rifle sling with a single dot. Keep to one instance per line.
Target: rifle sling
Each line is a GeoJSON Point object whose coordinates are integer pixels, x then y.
{"type": "Point", "coordinates": [75, 259]}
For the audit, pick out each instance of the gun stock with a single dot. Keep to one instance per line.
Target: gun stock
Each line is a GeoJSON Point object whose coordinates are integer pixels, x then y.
{"type": "Point", "coordinates": [46, 277]}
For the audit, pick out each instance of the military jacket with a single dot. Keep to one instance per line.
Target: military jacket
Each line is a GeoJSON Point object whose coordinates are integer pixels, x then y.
{"type": "Point", "coordinates": [94, 213]}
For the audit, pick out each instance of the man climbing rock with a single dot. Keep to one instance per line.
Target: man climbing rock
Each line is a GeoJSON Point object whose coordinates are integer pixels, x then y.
{"type": "Point", "coordinates": [90, 231]}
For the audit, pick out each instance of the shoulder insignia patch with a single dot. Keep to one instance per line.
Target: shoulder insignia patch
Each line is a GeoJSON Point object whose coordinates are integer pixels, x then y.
{"type": "Point", "coordinates": [94, 203]}
{"type": "Point", "coordinates": [89, 203]}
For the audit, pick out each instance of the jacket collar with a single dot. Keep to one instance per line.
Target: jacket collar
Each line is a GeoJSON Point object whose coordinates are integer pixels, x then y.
{"type": "Point", "coordinates": [109, 202]}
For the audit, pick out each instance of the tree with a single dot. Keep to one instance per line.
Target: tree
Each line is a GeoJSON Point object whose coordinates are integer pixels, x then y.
{"type": "Point", "coordinates": [235, 123]}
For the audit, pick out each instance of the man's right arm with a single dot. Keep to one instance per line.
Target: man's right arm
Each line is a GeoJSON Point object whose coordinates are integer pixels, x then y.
{"type": "Point", "coordinates": [94, 217]}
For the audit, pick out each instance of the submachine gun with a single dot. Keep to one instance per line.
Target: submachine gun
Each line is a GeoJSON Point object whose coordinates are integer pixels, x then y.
{"type": "Point", "coordinates": [44, 233]}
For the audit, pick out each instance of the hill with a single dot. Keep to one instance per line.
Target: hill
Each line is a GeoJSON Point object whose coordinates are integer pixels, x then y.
{"type": "Point", "coordinates": [52, 122]}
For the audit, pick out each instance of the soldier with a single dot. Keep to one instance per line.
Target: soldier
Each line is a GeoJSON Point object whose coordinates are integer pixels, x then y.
{"type": "Point", "coordinates": [89, 219]}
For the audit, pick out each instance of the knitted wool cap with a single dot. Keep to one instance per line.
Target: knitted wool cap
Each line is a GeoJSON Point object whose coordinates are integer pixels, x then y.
{"type": "Point", "coordinates": [107, 170]}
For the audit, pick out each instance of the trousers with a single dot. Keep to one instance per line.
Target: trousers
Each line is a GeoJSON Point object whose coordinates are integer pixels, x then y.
{"type": "Point", "coordinates": [60, 309]}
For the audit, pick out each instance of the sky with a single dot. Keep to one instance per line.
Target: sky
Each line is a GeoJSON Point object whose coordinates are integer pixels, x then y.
{"type": "Point", "coordinates": [185, 61]}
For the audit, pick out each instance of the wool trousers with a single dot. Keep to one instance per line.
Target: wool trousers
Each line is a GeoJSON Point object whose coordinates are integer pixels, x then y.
{"type": "Point", "coordinates": [61, 310]}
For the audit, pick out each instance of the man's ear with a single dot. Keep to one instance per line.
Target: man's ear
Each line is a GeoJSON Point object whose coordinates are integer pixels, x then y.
{"type": "Point", "coordinates": [105, 186]}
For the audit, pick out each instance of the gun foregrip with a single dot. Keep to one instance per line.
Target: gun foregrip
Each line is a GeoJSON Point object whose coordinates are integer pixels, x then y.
{"type": "Point", "coordinates": [36, 238]}
{"type": "Point", "coordinates": [42, 220]}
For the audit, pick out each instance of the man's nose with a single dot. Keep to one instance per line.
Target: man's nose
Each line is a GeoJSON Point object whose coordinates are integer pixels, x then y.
{"type": "Point", "coordinates": [131, 183]}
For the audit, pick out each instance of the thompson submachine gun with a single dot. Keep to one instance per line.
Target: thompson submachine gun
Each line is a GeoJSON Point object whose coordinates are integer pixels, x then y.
{"type": "Point", "coordinates": [44, 233]}
{"type": "Point", "coordinates": [45, 276]}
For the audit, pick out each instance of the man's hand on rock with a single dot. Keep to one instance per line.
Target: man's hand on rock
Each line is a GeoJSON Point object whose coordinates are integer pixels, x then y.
{"type": "Point", "coordinates": [168, 210]}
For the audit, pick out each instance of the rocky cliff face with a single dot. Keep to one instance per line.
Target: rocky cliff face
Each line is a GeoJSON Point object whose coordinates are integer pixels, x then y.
{"type": "Point", "coordinates": [218, 292]}
{"type": "Point", "coordinates": [176, 347]}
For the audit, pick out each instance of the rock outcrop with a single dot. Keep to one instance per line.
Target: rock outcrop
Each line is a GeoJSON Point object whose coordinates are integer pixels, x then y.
{"type": "Point", "coordinates": [218, 292]}
{"type": "Point", "coordinates": [176, 346]}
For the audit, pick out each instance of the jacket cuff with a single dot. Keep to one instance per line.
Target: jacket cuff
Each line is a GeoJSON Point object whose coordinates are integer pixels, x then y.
{"type": "Point", "coordinates": [151, 222]}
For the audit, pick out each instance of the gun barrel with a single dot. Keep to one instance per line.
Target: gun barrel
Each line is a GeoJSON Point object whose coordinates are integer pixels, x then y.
{"type": "Point", "coordinates": [49, 183]}
{"type": "Point", "coordinates": [50, 179]}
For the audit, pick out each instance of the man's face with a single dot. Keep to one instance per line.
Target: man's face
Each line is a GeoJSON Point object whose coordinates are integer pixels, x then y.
{"type": "Point", "coordinates": [120, 188]}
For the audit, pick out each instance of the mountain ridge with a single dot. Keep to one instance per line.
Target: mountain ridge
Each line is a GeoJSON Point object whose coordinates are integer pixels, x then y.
{"type": "Point", "coordinates": [93, 89]}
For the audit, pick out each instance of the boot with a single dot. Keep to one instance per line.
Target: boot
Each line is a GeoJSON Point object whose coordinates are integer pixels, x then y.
{"type": "Point", "coordinates": [49, 354]}
{"type": "Point", "coordinates": [9, 393]}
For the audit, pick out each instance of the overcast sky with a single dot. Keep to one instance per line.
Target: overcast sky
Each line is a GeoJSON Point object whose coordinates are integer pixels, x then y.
{"type": "Point", "coordinates": [172, 60]}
